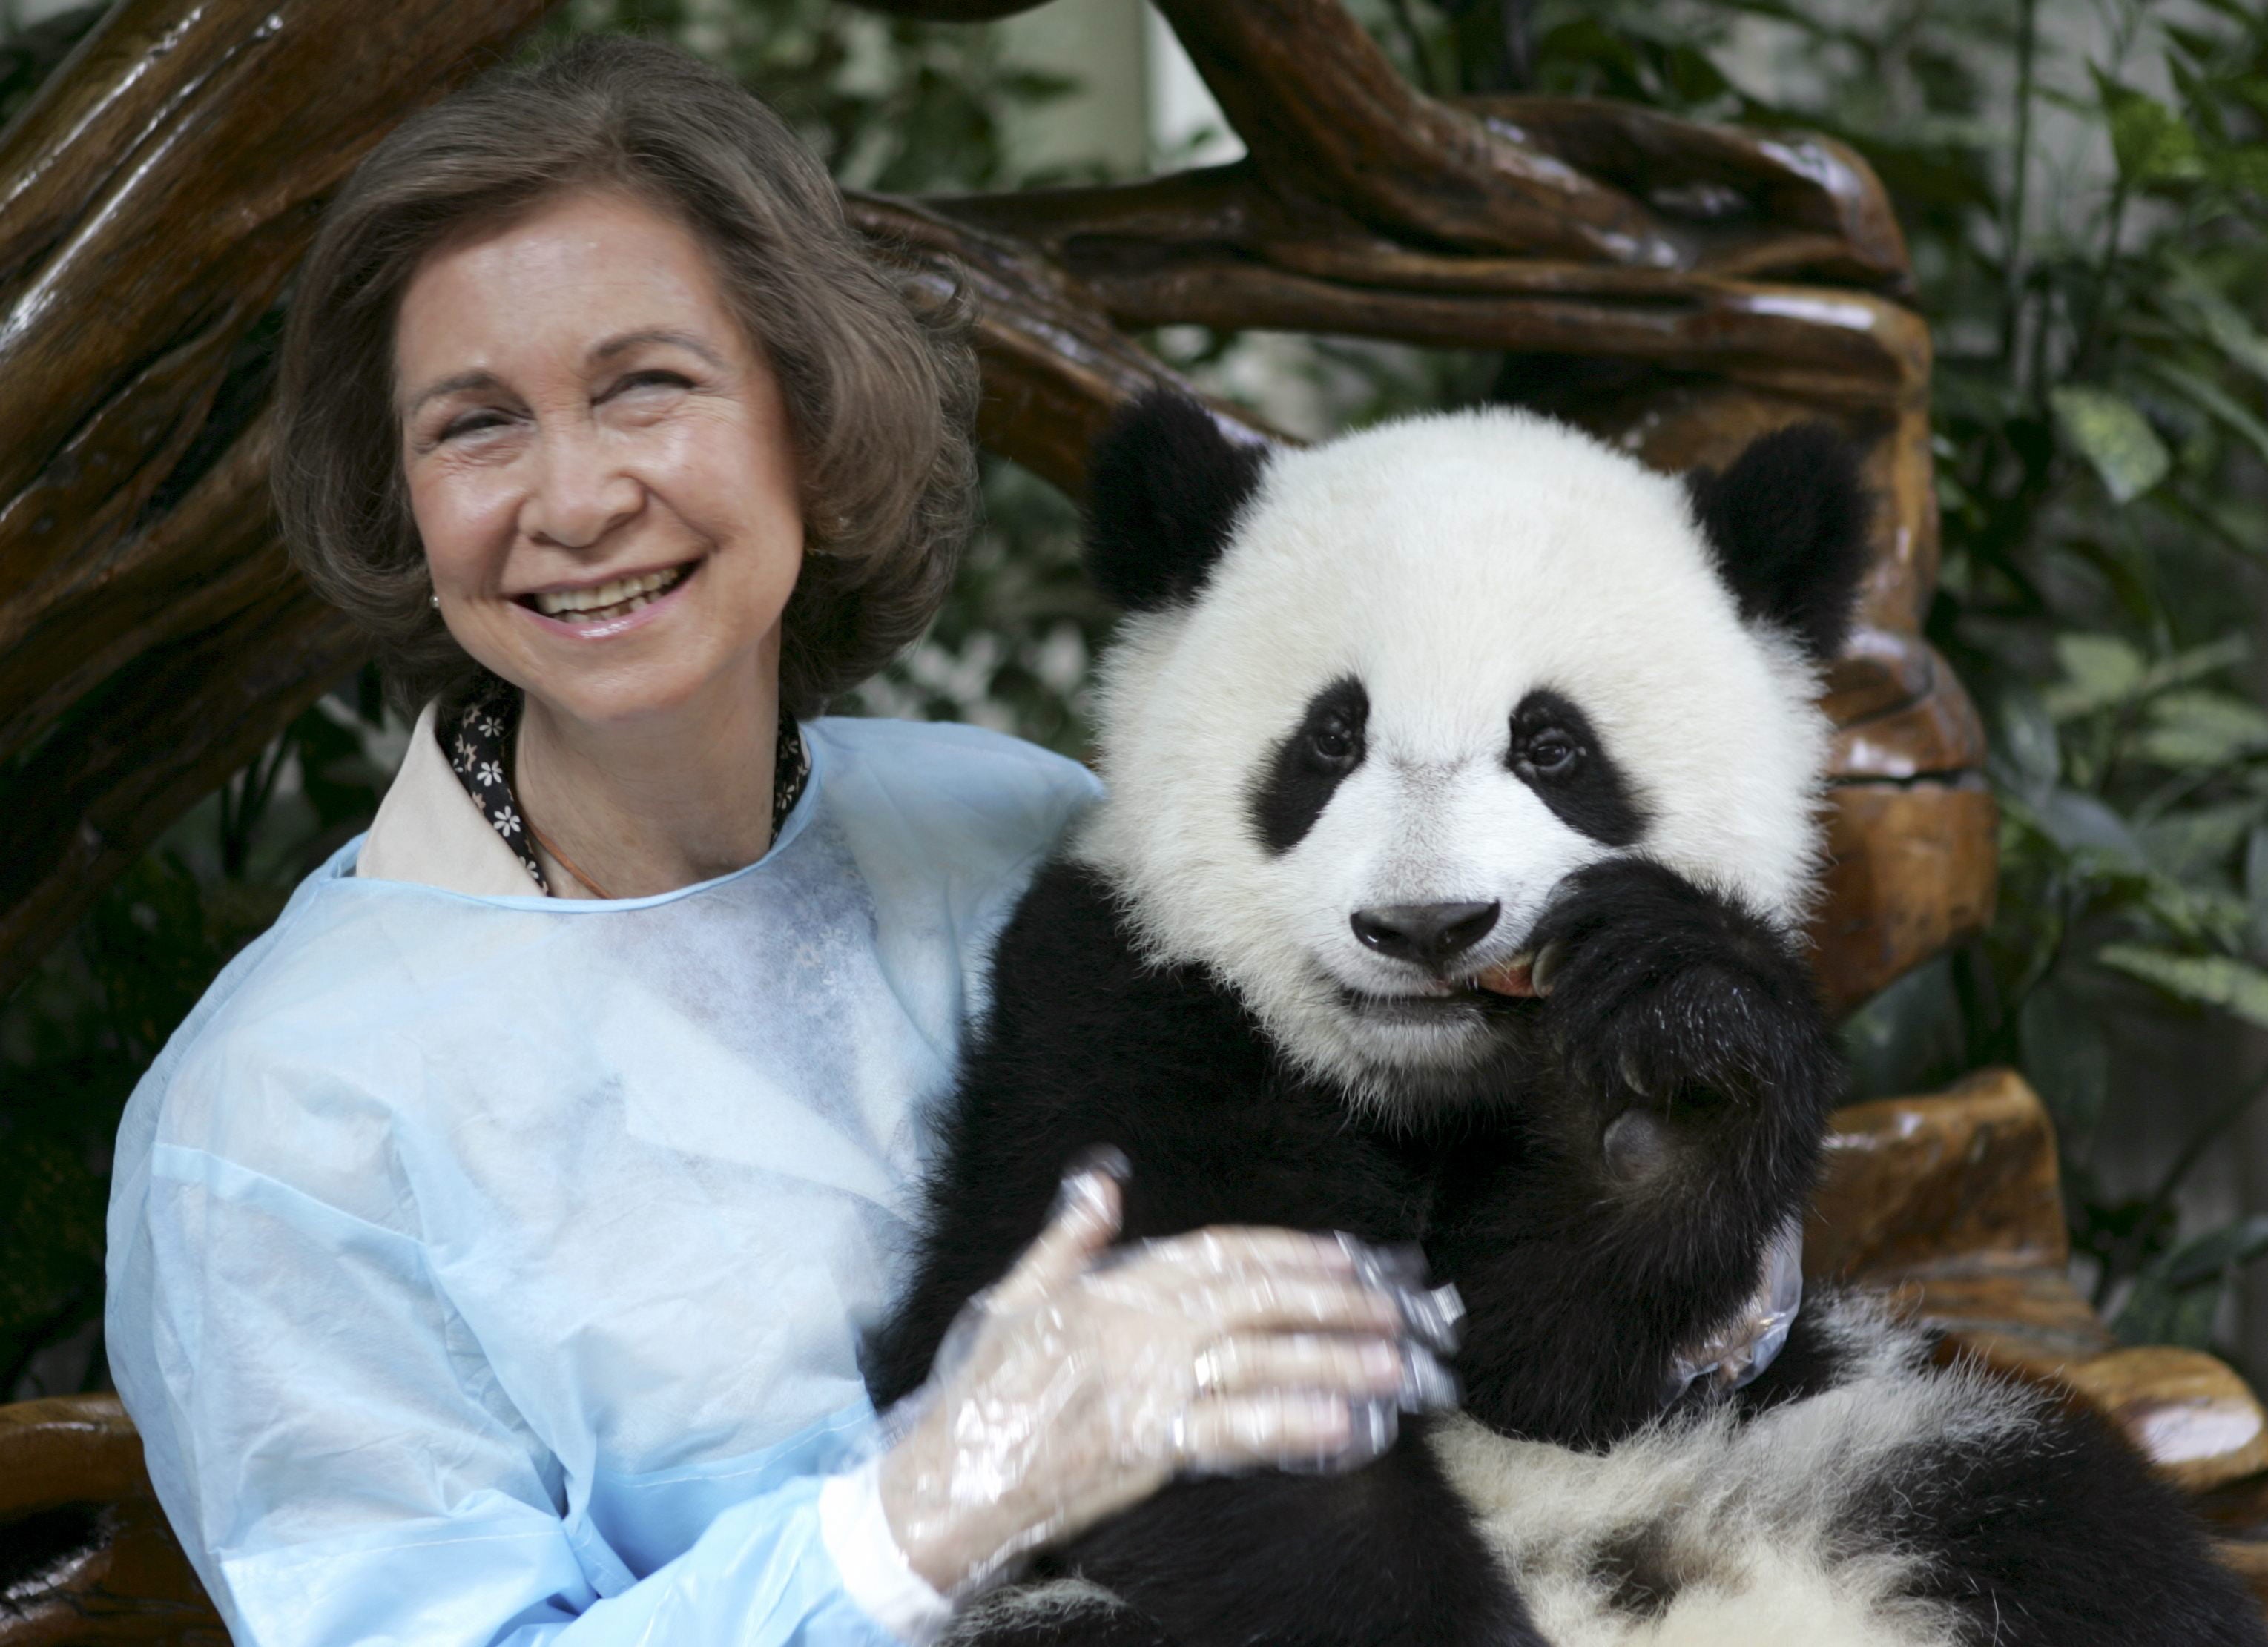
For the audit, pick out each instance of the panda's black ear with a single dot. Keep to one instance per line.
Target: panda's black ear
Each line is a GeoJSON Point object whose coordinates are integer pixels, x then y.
{"type": "Point", "coordinates": [1164, 488]}
{"type": "Point", "coordinates": [1788, 524]}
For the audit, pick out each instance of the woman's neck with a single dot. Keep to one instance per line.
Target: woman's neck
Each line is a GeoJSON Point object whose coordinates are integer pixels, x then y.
{"type": "Point", "coordinates": [649, 805]}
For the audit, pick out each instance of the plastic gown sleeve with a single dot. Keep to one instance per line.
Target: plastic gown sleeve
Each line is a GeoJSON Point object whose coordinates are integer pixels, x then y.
{"type": "Point", "coordinates": [336, 1455]}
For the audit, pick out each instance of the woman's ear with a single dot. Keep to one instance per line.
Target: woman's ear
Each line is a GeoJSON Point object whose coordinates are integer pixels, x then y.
{"type": "Point", "coordinates": [1165, 487]}
{"type": "Point", "coordinates": [1787, 523]}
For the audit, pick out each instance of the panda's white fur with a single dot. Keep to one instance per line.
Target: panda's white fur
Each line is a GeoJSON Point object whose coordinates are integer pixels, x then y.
{"type": "Point", "coordinates": [1745, 1514]}
{"type": "Point", "coordinates": [1501, 552]}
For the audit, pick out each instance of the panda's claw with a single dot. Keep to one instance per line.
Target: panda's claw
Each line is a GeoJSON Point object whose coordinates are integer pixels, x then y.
{"type": "Point", "coordinates": [1543, 970]}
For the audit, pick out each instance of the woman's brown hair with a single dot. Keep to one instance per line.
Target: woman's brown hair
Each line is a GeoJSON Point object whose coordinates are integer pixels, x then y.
{"type": "Point", "coordinates": [878, 381]}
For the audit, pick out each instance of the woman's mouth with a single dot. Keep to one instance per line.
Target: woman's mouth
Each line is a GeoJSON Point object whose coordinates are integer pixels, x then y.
{"type": "Point", "coordinates": [609, 602]}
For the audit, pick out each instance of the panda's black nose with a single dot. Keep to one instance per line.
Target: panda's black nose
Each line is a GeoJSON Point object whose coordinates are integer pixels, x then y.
{"type": "Point", "coordinates": [1427, 933]}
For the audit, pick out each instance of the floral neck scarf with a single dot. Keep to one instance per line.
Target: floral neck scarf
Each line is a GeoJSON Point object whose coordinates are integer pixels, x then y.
{"type": "Point", "coordinates": [476, 735]}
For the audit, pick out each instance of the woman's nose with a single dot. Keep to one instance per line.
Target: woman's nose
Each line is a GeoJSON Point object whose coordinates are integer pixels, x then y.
{"type": "Point", "coordinates": [578, 493]}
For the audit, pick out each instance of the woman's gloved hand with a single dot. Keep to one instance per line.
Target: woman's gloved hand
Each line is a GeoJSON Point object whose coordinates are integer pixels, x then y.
{"type": "Point", "coordinates": [1090, 1376]}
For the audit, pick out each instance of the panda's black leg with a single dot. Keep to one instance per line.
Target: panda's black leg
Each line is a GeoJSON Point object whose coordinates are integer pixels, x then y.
{"type": "Point", "coordinates": [1383, 1556]}
{"type": "Point", "coordinates": [2058, 1536]}
{"type": "Point", "coordinates": [1686, 1069]}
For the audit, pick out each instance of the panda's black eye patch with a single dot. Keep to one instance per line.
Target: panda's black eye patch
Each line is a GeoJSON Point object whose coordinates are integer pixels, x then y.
{"type": "Point", "coordinates": [1554, 751]}
{"type": "Point", "coordinates": [1308, 763]}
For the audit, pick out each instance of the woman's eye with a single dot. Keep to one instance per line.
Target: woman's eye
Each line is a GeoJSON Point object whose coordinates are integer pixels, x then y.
{"type": "Point", "coordinates": [1332, 741]}
{"type": "Point", "coordinates": [1551, 753]}
{"type": "Point", "coordinates": [470, 423]}
{"type": "Point", "coordinates": [655, 378]}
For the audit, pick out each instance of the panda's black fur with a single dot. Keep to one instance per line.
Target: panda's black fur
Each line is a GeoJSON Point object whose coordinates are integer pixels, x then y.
{"type": "Point", "coordinates": [1600, 1195]}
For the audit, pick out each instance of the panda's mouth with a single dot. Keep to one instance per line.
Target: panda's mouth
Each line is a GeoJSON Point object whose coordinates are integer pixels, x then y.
{"type": "Point", "coordinates": [1493, 988]}
{"type": "Point", "coordinates": [1515, 978]}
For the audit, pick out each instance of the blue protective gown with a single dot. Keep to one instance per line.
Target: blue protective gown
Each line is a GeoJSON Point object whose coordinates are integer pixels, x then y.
{"type": "Point", "coordinates": [491, 1270]}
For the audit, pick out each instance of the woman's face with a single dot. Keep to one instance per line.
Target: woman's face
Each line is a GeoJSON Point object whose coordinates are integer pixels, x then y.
{"type": "Point", "coordinates": [598, 460]}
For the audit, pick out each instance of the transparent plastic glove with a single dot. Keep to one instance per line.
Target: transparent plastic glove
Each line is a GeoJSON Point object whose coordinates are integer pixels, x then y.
{"type": "Point", "coordinates": [1090, 1376]}
{"type": "Point", "coordinates": [1739, 1352]}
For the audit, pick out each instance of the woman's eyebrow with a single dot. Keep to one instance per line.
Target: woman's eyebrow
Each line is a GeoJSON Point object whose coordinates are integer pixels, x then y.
{"type": "Point", "coordinates": [622, 343]}
{"type": "Point", "coordinates": [463, 380]}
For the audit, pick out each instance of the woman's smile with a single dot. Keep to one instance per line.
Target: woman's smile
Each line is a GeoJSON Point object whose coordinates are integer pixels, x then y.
{"type": "Point", "coordinates": [620, 603]}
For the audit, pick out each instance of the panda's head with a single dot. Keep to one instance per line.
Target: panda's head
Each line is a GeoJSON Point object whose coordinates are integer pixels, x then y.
{"type": "Point", "coordinates": [1375, 700]}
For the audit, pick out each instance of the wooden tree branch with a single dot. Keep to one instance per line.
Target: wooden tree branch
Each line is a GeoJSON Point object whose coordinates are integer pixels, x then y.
{"type": "Point", "coordinates": [1054, 367]}
{"type": "Point", "coordinates": [1332, 124]}
{"type": "Point", "coordinates": [72, 1484]}
{"type": "Point", "coordinates": [154, 197]}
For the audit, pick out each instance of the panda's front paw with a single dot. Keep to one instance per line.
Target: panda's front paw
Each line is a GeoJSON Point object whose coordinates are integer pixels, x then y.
{"type": "Point", "coordinates": [1665, 999]}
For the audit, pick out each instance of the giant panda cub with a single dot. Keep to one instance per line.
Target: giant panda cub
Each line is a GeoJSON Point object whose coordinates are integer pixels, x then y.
{"type": "Point", "coordinates": [1464, 787]}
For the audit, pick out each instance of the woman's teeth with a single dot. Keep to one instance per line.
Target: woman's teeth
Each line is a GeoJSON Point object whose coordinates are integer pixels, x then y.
{"type": "Point", "coordinates": [617, 599]}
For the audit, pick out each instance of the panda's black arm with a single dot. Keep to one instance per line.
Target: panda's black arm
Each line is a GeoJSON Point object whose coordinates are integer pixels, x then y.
{"type": "Point", "coordinates": [1086, 1045]}
{"type": "Point", "coordinates": [1671, 1128]}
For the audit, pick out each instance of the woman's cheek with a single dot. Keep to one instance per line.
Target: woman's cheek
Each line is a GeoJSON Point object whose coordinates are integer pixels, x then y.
{"type": "Point", "coordinates": [464, 514]}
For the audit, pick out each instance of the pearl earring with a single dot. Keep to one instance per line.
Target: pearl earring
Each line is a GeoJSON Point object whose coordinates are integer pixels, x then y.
{"type": "Point", "coordinates": [436, 599]}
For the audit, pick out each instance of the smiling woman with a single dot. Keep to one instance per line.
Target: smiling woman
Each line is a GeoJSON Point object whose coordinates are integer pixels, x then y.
{"type": "Point", "coordinates": [602, 323]}
{"type": "Point", "coordinates": [490, 1250]}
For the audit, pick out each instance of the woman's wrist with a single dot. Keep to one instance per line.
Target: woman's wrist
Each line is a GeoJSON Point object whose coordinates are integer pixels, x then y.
{"type": "Point", "coordinates": [952, 1542]}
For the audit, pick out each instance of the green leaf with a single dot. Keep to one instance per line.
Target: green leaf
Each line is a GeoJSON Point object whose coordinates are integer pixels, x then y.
{"type": "Point", "coordinates": [2236, 987]}
{"type": "Point", "coordinates": [2216, 401]}
{"type": "Point", "coordinates": [2148, 140]}
{"type": "Point", "coordinates": [2209, 1255]}
{"type": "Point", "coordinates": [2103, 672]}
{"type": "Point", "coordinates": [2190, 842]}
{"type": "Point", "coordinates": [2106, 430]}
{"type": "Point", "coordinates": [2081, 824]}
{"type": "Point", "coordinates": [2256, 890]}
{"type": "Point", "coordinates": [2027, 737]}
{"type": "Point", "coordinates": [2099, 671]}
{"type": "Point", "coordinates": [2203, 729]}
{"type": "Point", "coordinates": [2157, 1312]}
{"type": "Point", "coordinates": [2243, 167]}
{"type": "Point", "coordinates": [2231, 331]}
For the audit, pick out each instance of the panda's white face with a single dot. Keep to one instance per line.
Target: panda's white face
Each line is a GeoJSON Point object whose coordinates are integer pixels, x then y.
{"type": "Point", "coordinates": [1439, 666]}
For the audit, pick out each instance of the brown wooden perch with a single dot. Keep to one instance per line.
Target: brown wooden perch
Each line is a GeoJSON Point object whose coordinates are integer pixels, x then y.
{"type": "Point", "coordinates": [1675, 287]}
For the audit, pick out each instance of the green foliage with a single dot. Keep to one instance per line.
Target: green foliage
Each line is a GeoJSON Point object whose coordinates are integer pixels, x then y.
{"type": "Point", "coordinates": [900, 107]}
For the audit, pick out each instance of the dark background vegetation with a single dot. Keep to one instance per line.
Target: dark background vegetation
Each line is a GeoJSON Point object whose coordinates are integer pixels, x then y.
{"type": "Point", "coordinates": [2084, 184]}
